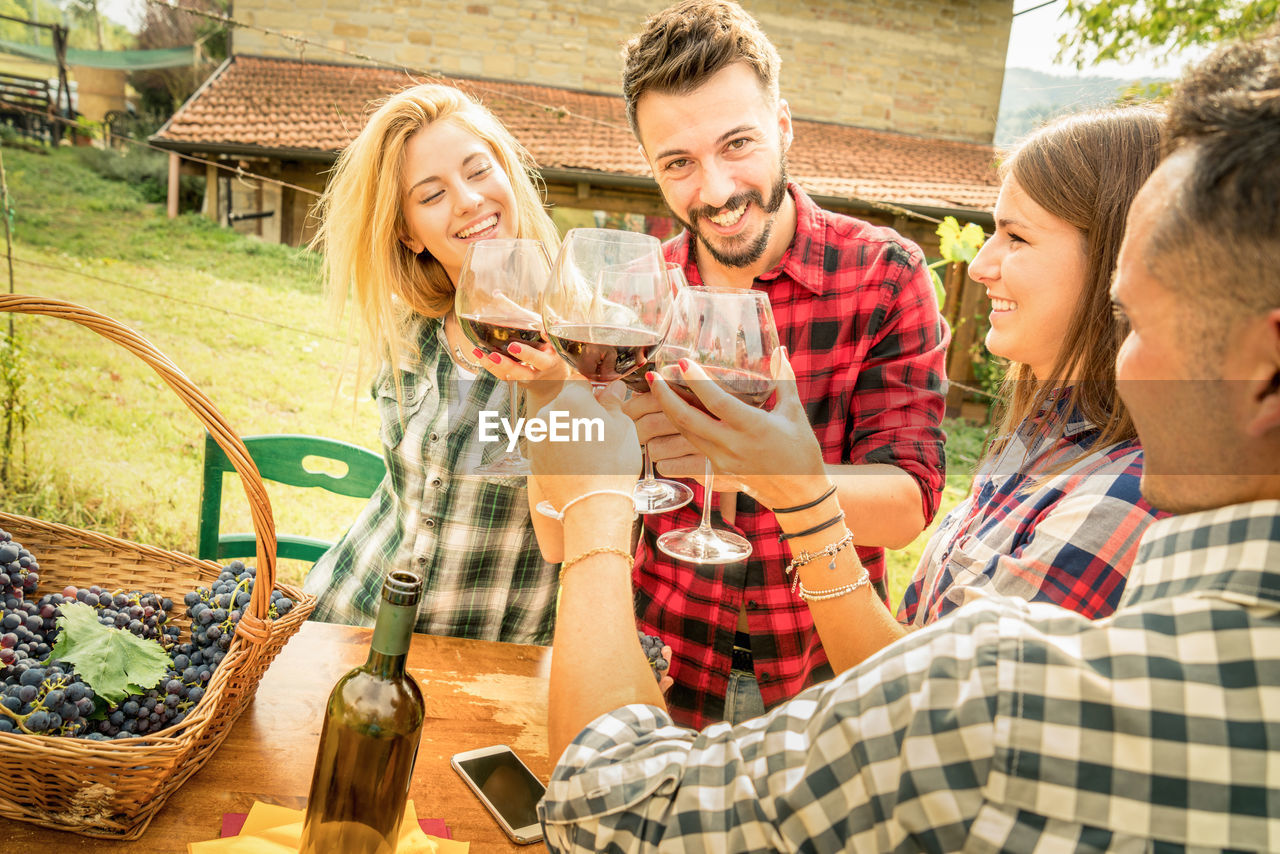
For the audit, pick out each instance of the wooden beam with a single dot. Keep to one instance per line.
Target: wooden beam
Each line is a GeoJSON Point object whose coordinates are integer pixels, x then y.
{"type": "Point", "coordinates": [608, 199]}
{"type": "Point", "coordinates": [175, 183]}
{"type": "Point", "coordinates": [212, 207]}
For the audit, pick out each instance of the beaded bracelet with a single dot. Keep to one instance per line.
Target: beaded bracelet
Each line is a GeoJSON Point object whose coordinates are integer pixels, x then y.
{"type": "Point", "coordinates": [830, 492]}
{"type": "Point", "coordinates": [835, 592]}
{"type": "Point", "coordinates": [806, 557]}
{"type": "Point", "coordinates": [576, 559]}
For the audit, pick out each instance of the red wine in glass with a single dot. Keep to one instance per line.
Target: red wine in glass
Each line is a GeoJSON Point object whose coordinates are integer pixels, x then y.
{"type": "Point", "coordinates": [603, 354]}
{"type": "Point", "coordinates": [751, 389]}
{"type": "Point", "coordinates": [494, 334]}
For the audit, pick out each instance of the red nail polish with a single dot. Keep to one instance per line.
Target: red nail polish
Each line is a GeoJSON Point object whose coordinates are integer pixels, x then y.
{"type": "Point", "coordinates": [477, 352]}
{"type": "Point", "coordinates": [649, 377]}
{"type": "Point", "coordinates": [495, 358]}
{"type": "Point", "coordinates": [513, 349]}
{"type": "Point", "coordinates": [684, 365]}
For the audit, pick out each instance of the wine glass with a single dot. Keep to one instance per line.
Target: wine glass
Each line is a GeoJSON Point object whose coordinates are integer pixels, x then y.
{"type": "Point", "coordinates": [658, 494]}
{"type": "Point", "coordinates": [730, 332]}
{"type": "Point", "coordinates": [496, 303]}
{"type": "Point", "coordinates": [606, 311]}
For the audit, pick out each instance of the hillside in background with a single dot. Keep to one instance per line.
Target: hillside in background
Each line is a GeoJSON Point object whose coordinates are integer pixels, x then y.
{"type": "Point", "coordinates": [1029, 98]}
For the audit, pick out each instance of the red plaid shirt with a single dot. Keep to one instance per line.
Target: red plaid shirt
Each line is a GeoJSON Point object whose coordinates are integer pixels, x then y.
{"type": "Point", "coordinates": [857, 313]}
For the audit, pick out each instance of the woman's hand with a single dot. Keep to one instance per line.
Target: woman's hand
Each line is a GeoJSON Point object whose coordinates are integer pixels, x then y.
{"type": "Point", "coordinates": [772, 456]}
{"type": "Point", "coordinates": [539, 370]}
{"type": "Point", "coordinates": [604, 457]}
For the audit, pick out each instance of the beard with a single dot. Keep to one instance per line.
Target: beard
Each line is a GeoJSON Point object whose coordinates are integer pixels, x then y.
{"type": "Point", "coordinates": [735, 255]}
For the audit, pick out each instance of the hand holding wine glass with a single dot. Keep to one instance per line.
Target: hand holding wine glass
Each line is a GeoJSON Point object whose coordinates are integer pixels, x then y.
{"type": "Point", "coordinates": [726, 338]}
{"type": "Point", "coordinates": [606, 311]}
{"type": "Point", "coordinates": [497, 304]}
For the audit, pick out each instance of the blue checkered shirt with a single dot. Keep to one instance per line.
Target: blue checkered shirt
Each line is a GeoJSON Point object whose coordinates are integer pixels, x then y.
{"type": "Point", "coordinates": [1008, 726]}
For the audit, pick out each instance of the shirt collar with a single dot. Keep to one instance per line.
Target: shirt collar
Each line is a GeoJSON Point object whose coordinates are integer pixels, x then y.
{"type": "Point", "coordinates": [802, 262]}
{"type": "Point", "coordinates": [1232, 551]}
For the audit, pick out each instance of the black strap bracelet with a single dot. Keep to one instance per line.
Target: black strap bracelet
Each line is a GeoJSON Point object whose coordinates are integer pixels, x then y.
{"type": "Point", "coordinates": [814, 503]}
{"type": "Point", "coordinates": [834, 520]}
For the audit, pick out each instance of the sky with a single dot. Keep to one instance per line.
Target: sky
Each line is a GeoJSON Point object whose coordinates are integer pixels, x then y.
{"type": "Point", "coordinates": [1033, 43]}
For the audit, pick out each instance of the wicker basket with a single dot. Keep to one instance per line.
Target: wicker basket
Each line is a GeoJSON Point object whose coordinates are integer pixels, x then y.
{"type": "Point", "coordinates": [112, 789]}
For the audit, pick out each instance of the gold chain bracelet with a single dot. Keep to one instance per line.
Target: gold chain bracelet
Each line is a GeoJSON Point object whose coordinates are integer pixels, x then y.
{"type": "Point", "coordinates": [576, 559]}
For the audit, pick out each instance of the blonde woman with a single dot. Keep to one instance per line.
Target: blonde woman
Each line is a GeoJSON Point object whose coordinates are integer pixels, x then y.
{"type": "Point", "coordinates": [431, 173]}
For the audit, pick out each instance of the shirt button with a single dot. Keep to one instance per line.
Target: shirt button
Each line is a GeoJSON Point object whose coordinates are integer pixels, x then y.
{"type": "Point", "coordinates": [764, 676]}
{"type": "Point", "coordinates": [422, 561]}
{"type": "Point", "coordinates": [435, 437]}
{"type": "Point", "coordinates": [752, 604]}
{"type": "Point", "coordinates": [437, 482]}
{"type": "Point", "coordinates": [431, 523]}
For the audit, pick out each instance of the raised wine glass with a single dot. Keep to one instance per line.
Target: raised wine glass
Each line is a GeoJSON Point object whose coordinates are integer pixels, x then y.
{"type": "Point", "coordinates": [730, 332]}
{"type": "Point", "coordinates": [497, 303]}
{"type": "Point", "coordinates": [658, 494]}
{"type": "Point", "coordinates": [606, 310]}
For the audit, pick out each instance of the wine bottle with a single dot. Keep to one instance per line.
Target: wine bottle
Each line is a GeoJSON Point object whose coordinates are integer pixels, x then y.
{"type": "Point", "coordinates": [372, 725]}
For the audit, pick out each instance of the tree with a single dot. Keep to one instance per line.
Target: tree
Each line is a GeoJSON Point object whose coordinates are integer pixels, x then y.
{"type": "Point", "coordinates": [164, 26]}
{"type": "Point", "coordinates": [1123, 29]}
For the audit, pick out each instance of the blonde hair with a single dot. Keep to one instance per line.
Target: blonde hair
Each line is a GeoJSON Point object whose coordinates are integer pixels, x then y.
{"type": "Point", "coordinates": [684, 45]}
{"type": "Point", "coordinates": [1084, 169]}
{"type": "Point", "coordinates": [361, 218]}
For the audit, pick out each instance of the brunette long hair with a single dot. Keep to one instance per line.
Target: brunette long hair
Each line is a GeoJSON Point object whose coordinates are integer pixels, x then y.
{"type": "Point", "coordinates": [1084, 169]}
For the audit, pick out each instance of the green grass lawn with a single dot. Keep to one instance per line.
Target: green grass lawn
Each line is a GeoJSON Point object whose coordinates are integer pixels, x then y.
{"type": "Point", "coordinates": [109, 447]}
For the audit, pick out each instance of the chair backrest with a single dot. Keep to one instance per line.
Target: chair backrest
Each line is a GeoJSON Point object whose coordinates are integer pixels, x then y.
{"type": "Point", "coordinates": [279, 458]}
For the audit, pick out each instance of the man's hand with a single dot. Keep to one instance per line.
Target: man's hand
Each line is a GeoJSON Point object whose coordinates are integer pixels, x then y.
{"type": "Point", "coordinates": [772, 456]}
{"type": "Point", "coordinates": [672, 454]}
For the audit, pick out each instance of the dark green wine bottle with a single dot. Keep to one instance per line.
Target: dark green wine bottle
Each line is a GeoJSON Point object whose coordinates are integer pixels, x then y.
{"type": "Point", "coordinates": [369, 741]}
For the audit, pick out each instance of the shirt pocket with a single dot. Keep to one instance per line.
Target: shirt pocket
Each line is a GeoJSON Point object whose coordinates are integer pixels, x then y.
{"type": "Point", "coordinates": [968, 566]}
{"type": "Point", "coordinates": [397, 407]}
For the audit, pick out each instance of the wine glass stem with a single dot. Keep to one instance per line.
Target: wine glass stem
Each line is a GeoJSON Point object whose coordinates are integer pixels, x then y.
{"type": "Point", "coordinates": [513, 394]}
{"type": "Point", "coordinates": [707, 494]}
{"type": "Point", "coordinates": [648, 464]}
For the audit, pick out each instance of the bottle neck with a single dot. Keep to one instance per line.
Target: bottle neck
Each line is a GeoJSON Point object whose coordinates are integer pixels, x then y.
{"type": "Point", "coordinates": [391, 636]}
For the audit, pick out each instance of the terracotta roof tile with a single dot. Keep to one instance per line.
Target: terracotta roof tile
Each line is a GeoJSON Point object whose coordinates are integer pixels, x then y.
{"type": "Point", "coordinates": [266, 103]}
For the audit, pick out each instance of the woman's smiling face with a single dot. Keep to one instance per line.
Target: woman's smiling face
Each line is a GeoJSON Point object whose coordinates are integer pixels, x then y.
{"type": "Point", "coordinates": [455, 193]}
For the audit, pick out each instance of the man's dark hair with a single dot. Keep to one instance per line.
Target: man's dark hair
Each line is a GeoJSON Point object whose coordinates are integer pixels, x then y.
{"type": "Point", "coordinates": [1219, 242]}
{"type": "Point", "coordinates": [685, 44]}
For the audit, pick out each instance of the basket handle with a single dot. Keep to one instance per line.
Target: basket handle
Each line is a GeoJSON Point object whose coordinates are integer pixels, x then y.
{"type": "Point", "coordinates": [253, 625]}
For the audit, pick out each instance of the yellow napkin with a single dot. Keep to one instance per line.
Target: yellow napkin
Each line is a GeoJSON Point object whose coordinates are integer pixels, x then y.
{"type": "Point", "coordinates": [270, 829]}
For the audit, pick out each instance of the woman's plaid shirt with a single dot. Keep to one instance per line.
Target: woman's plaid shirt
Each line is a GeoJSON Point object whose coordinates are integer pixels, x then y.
{"type": "Point", "coordinates": [469, 537]}
{"type": "Point", "coordinates": [857, 312]}
{"type": "Point", "coordinates": [1066, 537]}
{"type": "Point", "coordinates": [1008, 726]}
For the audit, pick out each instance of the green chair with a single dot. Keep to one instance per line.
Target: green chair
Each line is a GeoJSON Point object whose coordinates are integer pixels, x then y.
{"type": "Point", "coordinates": [279, 458]}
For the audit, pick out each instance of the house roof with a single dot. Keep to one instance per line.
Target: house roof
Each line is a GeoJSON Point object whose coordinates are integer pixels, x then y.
{"type": "Point", "coordinates": [291, 108]}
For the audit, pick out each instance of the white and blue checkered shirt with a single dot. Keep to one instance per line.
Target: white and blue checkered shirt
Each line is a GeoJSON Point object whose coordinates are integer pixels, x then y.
{"type": "Point", "coordinates": [1008, 726]}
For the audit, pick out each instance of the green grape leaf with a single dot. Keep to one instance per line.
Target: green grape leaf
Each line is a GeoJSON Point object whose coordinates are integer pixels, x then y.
{"type": "Point", "coordinates": [113, 662]}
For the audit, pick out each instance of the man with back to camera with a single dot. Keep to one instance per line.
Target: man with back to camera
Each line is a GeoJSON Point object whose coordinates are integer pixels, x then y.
{"type": "Point", "coordinates": [858, 317]}
{"type": "Point", "coordinates": [1010, 726]}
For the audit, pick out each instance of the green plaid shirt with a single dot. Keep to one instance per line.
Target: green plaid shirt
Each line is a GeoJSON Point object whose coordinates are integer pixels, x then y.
{"type": "Point", "coordinates": [469, 537]}
{"type": "Point", "coordinates": [1008, 726]}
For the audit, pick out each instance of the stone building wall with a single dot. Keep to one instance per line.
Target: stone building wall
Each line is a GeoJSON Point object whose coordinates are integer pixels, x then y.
{"type": "Point", "coordinates": [928, 67]}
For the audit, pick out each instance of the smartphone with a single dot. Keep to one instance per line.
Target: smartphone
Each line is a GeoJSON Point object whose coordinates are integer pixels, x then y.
{"type": "Point", "coordinates": [506, 786]}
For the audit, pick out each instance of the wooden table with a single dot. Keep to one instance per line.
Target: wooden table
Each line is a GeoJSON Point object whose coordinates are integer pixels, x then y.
{"type": "Point", "coordinates": [477, 693]}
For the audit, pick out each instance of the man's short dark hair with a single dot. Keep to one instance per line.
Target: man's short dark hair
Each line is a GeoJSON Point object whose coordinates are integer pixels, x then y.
{"type": "Point", "coordinates": [685, 44]}
{"type": "Point", "coordinates": [1218, 243]}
